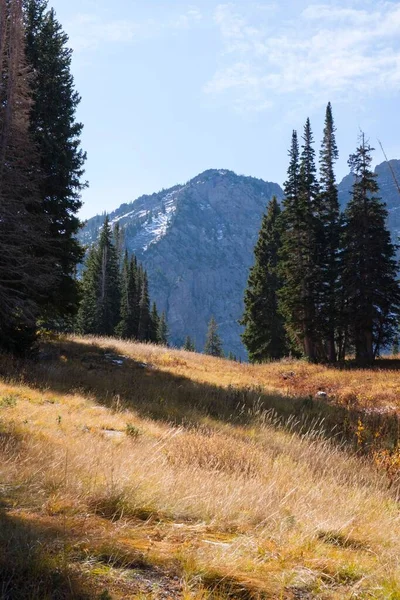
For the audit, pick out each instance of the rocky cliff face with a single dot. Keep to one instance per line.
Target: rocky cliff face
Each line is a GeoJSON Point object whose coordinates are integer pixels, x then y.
{"type": "Point", "coordinates": [196, 242]}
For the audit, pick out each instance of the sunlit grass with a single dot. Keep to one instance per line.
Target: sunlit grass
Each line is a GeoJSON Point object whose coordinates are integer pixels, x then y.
{"type": "Point", "coordinates": [117, 493]}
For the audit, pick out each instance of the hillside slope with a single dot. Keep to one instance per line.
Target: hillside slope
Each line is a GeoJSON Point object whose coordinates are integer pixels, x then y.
{"type": "Point", "coordinates": [196, 242]}
{"type": "Point", "coordinates": [133, 471]}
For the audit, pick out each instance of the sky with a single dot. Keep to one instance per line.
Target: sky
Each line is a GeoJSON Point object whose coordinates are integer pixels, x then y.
{"type": "Point", "coordinates": [171, 88]}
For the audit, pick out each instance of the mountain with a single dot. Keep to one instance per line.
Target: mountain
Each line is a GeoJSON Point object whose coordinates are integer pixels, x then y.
{"type": "Point", "coordinates": [388, 191]}
{"type": "Point", "coordinates": [196, 242]}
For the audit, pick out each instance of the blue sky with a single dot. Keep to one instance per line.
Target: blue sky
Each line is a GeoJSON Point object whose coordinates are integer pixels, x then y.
{"type": "Point", "coordinates": [171, 88]}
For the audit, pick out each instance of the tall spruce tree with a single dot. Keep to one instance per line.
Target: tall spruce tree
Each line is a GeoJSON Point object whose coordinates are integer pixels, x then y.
{"type": "Point", "coordinates": [144, 328]}
{"type": "Point", "coordinates": [127, 327]}
{"type": "Point", "coordinates": [87, 321]}
{"type": "Point", "coordinates": [110, 290]}
{"type": "Point", "coordinates": [265, 335]}
{"type": "Point", "coordinates": [163, 330]}
{"type": "Point", "coordinates": [26, 271]}
{"type": "Point", "coordinates": [369, 271]}
{"type": "Point", "coordinates": [154, 325]}
{"type": "Point", "coordinates": [328, 213]}
{"type": "Point", "coordinates": [213, 346]}
{"type": "Point", "coordinates": [99, 311]}
{"type": "Point", "coordinates": [298, 253]}
{"type": "Point", "coordinates": [56, 134]}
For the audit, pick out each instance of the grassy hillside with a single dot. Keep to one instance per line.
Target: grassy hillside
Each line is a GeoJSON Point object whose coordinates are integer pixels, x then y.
{"type": "Point", "coordinates": [131, 471]}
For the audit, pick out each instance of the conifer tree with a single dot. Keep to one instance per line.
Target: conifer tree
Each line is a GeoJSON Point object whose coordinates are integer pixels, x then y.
{"type": "Point", "coordinates": [26, 272]}
{"type": "Point", "coordinates": [189, 344]}
{"type": "Point", "coordinates": [328, 240]}
{"type": "Point", "coordinates": [56, 134]}
{"type": "Point", "coordinates": [154, 325]}
{"type": "Point", "coordinates": [144, 309]}
{"type": "Point", "coordinates": [298, 253]}
{"type": "Point", "coordinates": [369, 270]}
{"type": "Point", "coordinates": [87, 321]}
{"type": "Point", "coordinates": [127, 327]}
{"type": "Point", "coordinates": [213, 346]}
{"type": "Point", "coordinates": [99, 311]}
{"type": "Point", "coordinates": [265, 335]}
{"type": "Point", "coordinates": [110, 296]}
{"type": "Point", "coordinates": [163, 330]}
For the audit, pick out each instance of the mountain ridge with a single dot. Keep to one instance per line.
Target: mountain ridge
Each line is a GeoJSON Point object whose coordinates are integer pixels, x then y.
{"type": "Point", "coordinates": [196, 241]}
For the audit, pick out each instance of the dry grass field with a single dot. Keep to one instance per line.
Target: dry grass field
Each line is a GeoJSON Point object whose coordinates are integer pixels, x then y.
{"type": "Point", "coordinates": [134, 471]}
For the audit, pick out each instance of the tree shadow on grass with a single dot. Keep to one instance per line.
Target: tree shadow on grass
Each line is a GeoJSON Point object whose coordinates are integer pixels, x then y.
{"type": "Point", "coordinates": [30, 563]}
{"type": "Point", "coordinates": [118, 383]}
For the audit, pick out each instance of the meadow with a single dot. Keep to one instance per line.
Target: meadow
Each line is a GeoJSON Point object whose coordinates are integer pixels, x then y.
{"type": "Point", "coordinates": [137, 471]}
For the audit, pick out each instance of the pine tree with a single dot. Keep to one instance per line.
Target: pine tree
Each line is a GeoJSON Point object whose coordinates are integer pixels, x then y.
{"type": "Point", "coordinates": [26, 272]}
{"type": "Point", "coordinates": [369, 271]}
{"type": "Point", "coordinates": [163, 330]}
{"type": "Point", "coordinates": [298, 253]}
{"type": "Point", "coordinates": [189, 345]}
{"type": "Point", "coordinates": [87, 321]}
{"type": "Point", "coordinates": [110, 291]}
{"type": "Point", "coordinates": [265, 335]}
{"type": "Point", "coordinates": [56, 135]}
{"type": "Point", "coordinates": [144, 309]}
{"type": "Point", "coordinates": [99, 311]}
{"type": "Point", "coordinates": [328, 240]}
{"type": "Point", "coordinates": [213, 346]}
{"type": "Point", "coordinates": [127, 327]}
{"type": "Point", "coordinates": [154, 325]}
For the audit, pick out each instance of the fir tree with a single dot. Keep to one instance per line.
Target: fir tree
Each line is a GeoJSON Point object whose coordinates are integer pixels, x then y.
{"type": "Point", "coordinates": [369, 272]}
{"type": "Point", "coordinates": [265, 336]}
{"type": "Point", "coordinates": [213, 346]}
{"type": "Point", "coordinates": [56, 134]}
{"type": "Point", "coordinates": [87, 321]}
{"type": "Point", "coordinates": [99, 311]}
{"type": "Point", "coordinates": [144, 309]}
{"type": "Point", "coordinates": [127, 327]}
{"type": "Point", "coordinates": [298, 254]}
{"type": "Point", "coordinates": [163, 330]}
{"type": "Point", "coordinates": [26, 271]}
{"type": "Point", "coordinates": [328, 240]}
{"type": "Point", "coordinates": [109, 296]}
{"type": "Point", "coordinates": [189, 344]}
{"type": "Point", "coordinates": [155, 321]}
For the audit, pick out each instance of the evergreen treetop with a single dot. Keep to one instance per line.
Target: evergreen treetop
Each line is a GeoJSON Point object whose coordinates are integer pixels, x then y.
{"type": "Point", "coordinates": [213, 346]}
{"type": "Point", "coordinates": [265, 335]}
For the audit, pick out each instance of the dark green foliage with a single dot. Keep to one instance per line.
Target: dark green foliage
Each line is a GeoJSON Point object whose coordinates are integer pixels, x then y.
{"type": "Point", "coordinates": [87, 318]}
{"type": "Point", "coordinates": [189, 344]}
{"type": "Point", "coordinates": [56, 134]}
{"type": "Point", "coordinates": [265, 336]}
{"type": "Point", "coordinates": [154, 325]}
{"type": "Point", "coordinates": [369, 271]}
{"type": "Point", "coordinates": [144, 329]}
{"type": "Point", "coordinates": [128, 325]}
{"type": "Point", "coordinates": [328, 214]}
{"type": "Point", "coordinates": [163, 330]}
{"type": "Point", "coordinates": [213, 345]}
{"type": "Point", "coordinates": [26, 269]}
{"type": "Point", "coordinates": [99, 312]}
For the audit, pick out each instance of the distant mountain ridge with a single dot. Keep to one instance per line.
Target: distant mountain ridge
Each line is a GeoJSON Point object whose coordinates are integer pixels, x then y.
{"type": "Point", "coordinates": [196, 241]}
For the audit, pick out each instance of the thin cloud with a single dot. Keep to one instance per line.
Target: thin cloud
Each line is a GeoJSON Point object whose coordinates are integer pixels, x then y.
{"type": "Point", "coordinates": [88, 31]}
{"type": "Point", "coordinates": [334, 52]}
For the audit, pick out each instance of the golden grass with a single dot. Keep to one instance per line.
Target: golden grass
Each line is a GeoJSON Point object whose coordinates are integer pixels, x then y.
{"type": "Point", "coordinates": [124, 482]}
